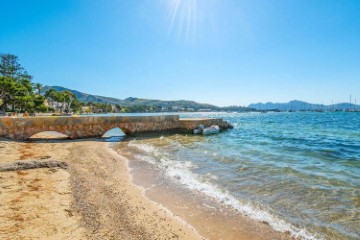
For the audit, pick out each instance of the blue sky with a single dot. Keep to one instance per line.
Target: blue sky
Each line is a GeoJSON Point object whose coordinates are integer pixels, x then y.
{"type": "Point", "coordinates": [224, 52]}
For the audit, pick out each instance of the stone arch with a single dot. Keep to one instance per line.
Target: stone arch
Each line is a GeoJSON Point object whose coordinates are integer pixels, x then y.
{"type": "Point", "coordinates": [127, 128]}
{"type": "Point", "coordinates": [42, 135]}
{"type": "Point", "coordinates": [114, 132]}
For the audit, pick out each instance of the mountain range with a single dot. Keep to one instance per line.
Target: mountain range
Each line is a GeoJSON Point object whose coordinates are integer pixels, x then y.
{"type": "Point", "coordinates": [294, 105]}
{"type": "Point", "coordinates": [131, 101]}
{"type": "Point", "coordinates": [297, 105]}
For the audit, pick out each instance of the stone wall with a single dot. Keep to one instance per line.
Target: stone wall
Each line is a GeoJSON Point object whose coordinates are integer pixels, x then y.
{"type": "Point", "coordinates": [189, 124]}
{"type": "Point", "coordinates": [97, 126]}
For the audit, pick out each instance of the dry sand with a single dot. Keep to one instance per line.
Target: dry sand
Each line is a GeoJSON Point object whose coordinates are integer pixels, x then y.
{"type": "Point", "coordinates": [36, 204]}
{"type": "Point", "coordinates": [92, 199]}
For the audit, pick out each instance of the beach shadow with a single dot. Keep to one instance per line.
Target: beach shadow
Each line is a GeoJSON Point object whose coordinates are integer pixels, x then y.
{"type": "Point", "coordinates": [121, 138]}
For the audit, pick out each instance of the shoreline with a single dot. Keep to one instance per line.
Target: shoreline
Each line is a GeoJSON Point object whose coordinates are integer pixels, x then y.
{"type": "Point", "coordinates": [213, 220]}
{"type": "Point", "coordinates": [106, 201]}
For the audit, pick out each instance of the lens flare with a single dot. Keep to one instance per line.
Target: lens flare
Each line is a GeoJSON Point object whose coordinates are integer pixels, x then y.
{"type": "Point", "coordinates": [186, 17]}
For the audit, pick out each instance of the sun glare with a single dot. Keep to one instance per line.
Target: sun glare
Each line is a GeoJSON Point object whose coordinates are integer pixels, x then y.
{"type": "Point", "coordinates": [186, 17]}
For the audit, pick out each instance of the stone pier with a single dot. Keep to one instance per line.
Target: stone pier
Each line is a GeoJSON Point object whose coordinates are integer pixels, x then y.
{"type": "Point", "coordinates": [96, 126]}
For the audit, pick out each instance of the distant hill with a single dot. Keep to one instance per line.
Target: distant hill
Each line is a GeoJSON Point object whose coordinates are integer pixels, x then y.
{"type": "Point", "coordinates": [296, 105]}
{"type": "Point", "coordinates": [131, 101]}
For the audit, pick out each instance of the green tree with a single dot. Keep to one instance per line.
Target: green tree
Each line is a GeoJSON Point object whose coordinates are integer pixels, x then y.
{"type": "Point", "coordinates": [11, 91]}
{"type": "Point", "coordinates": [39, 105]}
{"type": "Point", "coordinates": [38, 87]}
{"type": "Point", "coordinates": [10, 66]}
{"type": "Point", "coordinates": [76, 105]}
{"type": "Point", "coordinates": [67, 99]}
{"type": "Point", "coordinates": [16, 87]}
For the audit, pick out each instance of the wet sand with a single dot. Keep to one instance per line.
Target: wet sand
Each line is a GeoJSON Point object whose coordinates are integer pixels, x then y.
{"type": "Point", "coordinates": [212, 219]}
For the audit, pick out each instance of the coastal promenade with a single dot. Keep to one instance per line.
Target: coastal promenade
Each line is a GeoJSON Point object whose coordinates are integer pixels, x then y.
{"type": "Point", "coordinates": [22, 128]}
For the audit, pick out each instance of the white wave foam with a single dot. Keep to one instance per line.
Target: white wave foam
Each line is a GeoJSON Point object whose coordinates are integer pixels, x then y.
{"type": "Point", "coordinates": [143, 147]}
{"type": "Point", "coordinates": [181, 171]}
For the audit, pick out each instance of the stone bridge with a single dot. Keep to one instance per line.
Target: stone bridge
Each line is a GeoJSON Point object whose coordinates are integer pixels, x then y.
{"type": "Point", "coordinates": [21, 128]}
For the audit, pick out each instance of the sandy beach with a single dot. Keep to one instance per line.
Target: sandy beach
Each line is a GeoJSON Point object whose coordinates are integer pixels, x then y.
{"type": "Point", "coordinates": [93, 198]}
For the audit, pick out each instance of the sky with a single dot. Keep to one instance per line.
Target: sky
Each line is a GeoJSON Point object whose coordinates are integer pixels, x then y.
{"type": "Point", "coordinates": [223, 52]}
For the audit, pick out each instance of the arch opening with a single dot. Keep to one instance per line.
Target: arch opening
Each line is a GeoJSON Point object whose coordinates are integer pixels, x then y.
{"type": "Point", "coordinates": [49, 135]}
{"type": "Point", "coordinates": [114, 135]}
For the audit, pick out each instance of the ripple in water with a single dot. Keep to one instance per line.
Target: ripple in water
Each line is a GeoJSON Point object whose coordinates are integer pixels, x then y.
{"type": "Point", "coordinates": [300, 172]}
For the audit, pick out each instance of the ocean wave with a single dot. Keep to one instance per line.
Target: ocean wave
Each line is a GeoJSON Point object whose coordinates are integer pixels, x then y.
{"type": "Point", "coordinates": [180, 171]}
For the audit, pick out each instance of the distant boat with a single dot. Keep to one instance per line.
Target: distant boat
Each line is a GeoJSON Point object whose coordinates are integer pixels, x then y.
{"type": "Point", "coordinates": [197, 131]}
{"type": "Point", "coordinates": [211, 130]}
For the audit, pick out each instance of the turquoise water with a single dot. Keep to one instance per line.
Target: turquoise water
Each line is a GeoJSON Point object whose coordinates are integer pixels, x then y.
{"type": "Point", "coordinates": [298, 171]}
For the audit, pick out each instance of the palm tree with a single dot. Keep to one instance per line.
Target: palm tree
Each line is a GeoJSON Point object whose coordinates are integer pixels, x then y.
{"type": "Point", "coordinates": [67, 98]}
{"type": "Point", "coordinates": [38, 87]}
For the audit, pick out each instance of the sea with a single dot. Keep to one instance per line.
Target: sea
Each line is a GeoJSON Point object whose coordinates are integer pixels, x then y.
{"type": "Point", "coordinates": [299, 172]}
